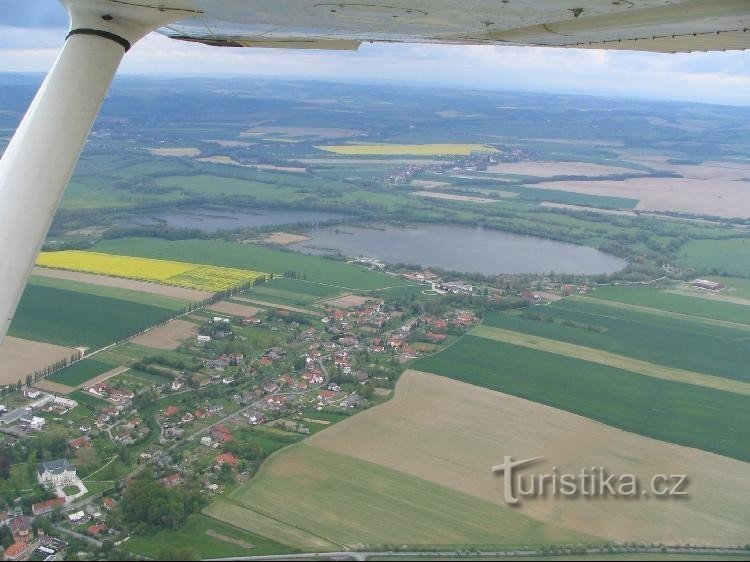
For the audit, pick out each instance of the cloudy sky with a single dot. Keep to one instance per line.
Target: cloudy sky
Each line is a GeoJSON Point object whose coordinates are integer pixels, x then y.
{"type": "Point", "coordinates": [32, 32]}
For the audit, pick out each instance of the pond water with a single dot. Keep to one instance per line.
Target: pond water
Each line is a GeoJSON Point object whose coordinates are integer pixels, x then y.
{"type": "Point", "coordinates": [460, 248]}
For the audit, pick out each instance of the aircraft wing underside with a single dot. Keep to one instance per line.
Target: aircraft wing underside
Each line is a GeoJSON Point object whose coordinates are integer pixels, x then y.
{"type": "Point", "coordinates": [643, 25]}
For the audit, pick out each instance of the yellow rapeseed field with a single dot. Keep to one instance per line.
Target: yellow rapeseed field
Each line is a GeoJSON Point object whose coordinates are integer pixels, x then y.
{"type": "Point", "coordinates": [377, 149]}
{"type": "Point", "coordinates": [179, 274]}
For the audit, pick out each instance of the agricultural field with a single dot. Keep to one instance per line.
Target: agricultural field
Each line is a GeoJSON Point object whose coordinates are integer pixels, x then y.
{"type": "Point", "coordinates": [19, 357]}
{"type": "Point", "coordinates": [80, 372]}
{"type": "Point", "coordinates": [122, 293]}
{"type": "Point", "coordinates": [168, 336]}
{"type": "Point", "coordinates": [77, 278]}
{"type": "Point", "coordinates": [342, 500]}
{"type": "Point", "coordinates": [205, 538]}
{"type": "Point", "coordinates": [74, 319]}
{"type": "Point", "coordinates": [181, 274]}
{"type": "Point", "coordinates": [689, 306]}
{"type": "Point", "coordinates": [684, 414]}
{"type": "Point", "coordinates": [456, 452]}
{"type": "Point", "coordinates": [432, 149]}
{"type": "Point", "coordinates": [338, 274]}
{"type": "Point", "coordinates": [683, 343]}
{"type": "Point", "coordinates": [726, 257]}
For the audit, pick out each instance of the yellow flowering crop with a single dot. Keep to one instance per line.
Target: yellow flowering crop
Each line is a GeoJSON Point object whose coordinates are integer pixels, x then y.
{"type": "Point", "coordinates": [179, 274]}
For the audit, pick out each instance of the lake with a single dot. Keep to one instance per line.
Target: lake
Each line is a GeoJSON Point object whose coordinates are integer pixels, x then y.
{"type": "Point", "coordinates": [221, 218]}
{"type": "Point", "coordinates": [460, 248]}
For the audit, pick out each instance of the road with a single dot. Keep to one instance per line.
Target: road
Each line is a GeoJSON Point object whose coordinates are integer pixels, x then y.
{"type": "Point", "coordinates": [597, 553]}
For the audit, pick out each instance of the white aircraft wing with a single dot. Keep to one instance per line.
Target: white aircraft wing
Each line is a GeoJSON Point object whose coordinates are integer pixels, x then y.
{"type": "Point", "coordinates": [642, 25]}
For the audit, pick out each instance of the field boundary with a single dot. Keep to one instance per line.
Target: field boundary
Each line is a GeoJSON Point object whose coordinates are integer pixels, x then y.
{"type": "Point", "coordinates": [609, 359]}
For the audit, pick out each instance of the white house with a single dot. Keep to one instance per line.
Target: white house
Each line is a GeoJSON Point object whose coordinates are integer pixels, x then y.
{"type": "Point", "coordinates": [57, 473]}
{"type": "Point", "coordinates": [204, 339]}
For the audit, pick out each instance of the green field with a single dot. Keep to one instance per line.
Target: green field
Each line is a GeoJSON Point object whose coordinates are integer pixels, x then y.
{"type": "Point", "coordinates": [651, 297]}
{"type": "Point", "coordinates": [72, 318]}
{"type": "Point", "coordinates": [112, 292]}
{"type": "Point", "coordinates": [686, 344]}
{"type": "Point", "coordinates": [80, 372]}
{"type": "Point", "coordinates": [205, 538]}
{"type": "Point", "coordinates": [688, 415]}
{"type": "Point", "coordinates": [250, 256]}
{"type": "Point", "coordinates": [313, 496]}
{"type": "Point", "coordinates": [726, 257]}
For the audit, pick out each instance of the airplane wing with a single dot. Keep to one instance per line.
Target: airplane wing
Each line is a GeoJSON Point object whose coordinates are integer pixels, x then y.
{"type": "Point", "coordinates": [641, 25]}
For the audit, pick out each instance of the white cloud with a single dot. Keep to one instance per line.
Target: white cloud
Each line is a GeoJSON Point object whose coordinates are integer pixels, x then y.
{"type": "Point", "coordinates": [710, 77]}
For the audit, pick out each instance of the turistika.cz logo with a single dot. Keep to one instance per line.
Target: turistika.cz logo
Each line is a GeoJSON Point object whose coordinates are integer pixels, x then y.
{"type": "Point", "coordinates": [589, 482]}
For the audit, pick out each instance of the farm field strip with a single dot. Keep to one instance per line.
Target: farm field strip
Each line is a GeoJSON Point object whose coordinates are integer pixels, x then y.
{"type": "Point", "coordinates": [75, 319]}
{"type": "Point", "coordinates": [349, 501]}
{"type": "Point", "coordinates": [268, 527]}
{"type": "Point", "coordinates": [78, 374]}
{"type": "Point", "coordinates": [683, 303]}
{"type": "Point", "coordinates": [685, 414]}
{"type": "Point", "coordinates": [181, 274]}
{"type": "Point", "coordinates": [433, 149]}
{"type": "Point", "coordinates": [266, 304]}
{"type": "Point", "coordinates": [611, 359]}
{"type": "Point", "coordinates": [679, 343]}
{"type": "Point", "coordinates": [87, 283]}
{"type": "Point", "coordinates": [670, 314]}
{"type": "Point", "coordinates": [21, 357]}
{"type": "Point", "coordinates": [457, 450]}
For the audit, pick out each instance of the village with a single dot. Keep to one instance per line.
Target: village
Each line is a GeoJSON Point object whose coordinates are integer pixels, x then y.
{"type": "Point", "coordinates": [208, 423]}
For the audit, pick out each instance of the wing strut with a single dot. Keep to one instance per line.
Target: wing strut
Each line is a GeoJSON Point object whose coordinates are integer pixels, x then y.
{"type": "Point", "coordinates": [41, 156]}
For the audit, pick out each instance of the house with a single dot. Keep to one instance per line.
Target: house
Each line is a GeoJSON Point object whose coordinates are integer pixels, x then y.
{"type": "Point", "coordinates": [435, 338]}
{"type": "Point", "coordinates": [77, 517]}
{"type": "Point", "coordinates": [326, 396]}
{"type": "Point", "coordinates": [206, 441]}
{"type": "Point", "coordinates": [20, 528]}
{"type": "Point", "coordinates": [334, 387]}
{"type": "Point", "coordinates": [31, 394]}
{"type": "Point", "coordinates": [256, 418]}
{"type": "Point", "coordinates": [109, 504]}
{"type": "Point", "coordinates": [203, 339]}
{"type": "Point", "coordinates": [277, 402]}
{"type": "Point", "coordinates": [40, 508]}
{"type": "Point", "coordinates": [270, 388]}
{"type": "Point", "coordinates": [221, 434]}
{"type": "Point", "coordinates": [94, 530]}
{"type": "Point", "coordinates": [118, 395]}
{"type": "Point", "coordinates": [57, 473]}
{"type": "Point", "coordinates": [172, 480]}
{"type": "Point", "coordinates": [187, 418]}
{"type": "Point", "coordinates": [227, 458]}
{"type": "Point", "coordinates": [83, 442]}
{"type": "Point", "coordinates": [171, 411]}
{"type": "Point", "coordinates": [100, 390]}
{"type": "Point", "coordinates": [351, 401]}
{"type": "Point", "coordinates": [18, 551]}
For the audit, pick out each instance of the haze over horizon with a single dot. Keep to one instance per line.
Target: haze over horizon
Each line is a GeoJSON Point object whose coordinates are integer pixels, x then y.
{"type": "Point", "coordinates": [32, 34]}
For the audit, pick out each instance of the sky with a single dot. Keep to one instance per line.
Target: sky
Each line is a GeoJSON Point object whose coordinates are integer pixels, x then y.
{"type": "Point", "coordinates": [32, 32]}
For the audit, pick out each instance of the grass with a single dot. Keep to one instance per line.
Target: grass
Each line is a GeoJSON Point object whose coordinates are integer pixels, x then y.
{"type": "Point", "coordinates": [728, 257]}
{"type": "Point", "coordinates": [674, 342]}
{"type": "Point", "coordinates": [312, 496]}
{"type": "Point", "coordinates": [432, 149]}
{"type": "Point", "coordinates": [250, 256]}
{"type": "Point", "coordinates": [80, 372]}
{"type": "Point", "coordinates": [208, 538]}
{"type": "Point", "coordinates": [71, 318]}
{"type": "Point", "coordinates": [658, 299]}
{"type": "Point", "coordinates": [180, 274]}
{"type": "Point", "coordinates": [689, 415]}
